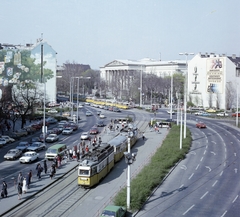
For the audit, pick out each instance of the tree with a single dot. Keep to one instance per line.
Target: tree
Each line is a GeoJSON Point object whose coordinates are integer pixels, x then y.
{"type": "Point", "coordinates": [25, 97]}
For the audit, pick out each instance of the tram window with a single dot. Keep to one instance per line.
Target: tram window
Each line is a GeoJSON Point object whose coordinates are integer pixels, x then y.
{"type": "Point", "coordinates": [94, 170]}
{"type": "Point", "coordinates": [84, 172]}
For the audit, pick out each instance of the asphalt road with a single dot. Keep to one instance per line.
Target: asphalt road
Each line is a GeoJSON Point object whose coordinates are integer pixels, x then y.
{"type": "Point", "coordinates": [207, 182]}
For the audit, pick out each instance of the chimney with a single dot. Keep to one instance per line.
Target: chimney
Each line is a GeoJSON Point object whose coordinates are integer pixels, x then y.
{"type": "Point", "coordinates": [234, 56]}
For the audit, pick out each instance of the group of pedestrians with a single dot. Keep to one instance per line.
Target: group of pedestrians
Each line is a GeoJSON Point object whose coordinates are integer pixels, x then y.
{"type": "Point", "coordinates": [23, 183]}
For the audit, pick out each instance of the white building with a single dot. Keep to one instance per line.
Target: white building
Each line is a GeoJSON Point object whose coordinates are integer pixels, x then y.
{"type": "Point", "coordinates": [209, 79]}
{"type": "Point", "coordinates": [123, 70]}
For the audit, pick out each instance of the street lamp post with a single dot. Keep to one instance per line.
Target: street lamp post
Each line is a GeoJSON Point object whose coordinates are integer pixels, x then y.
{"type": "Point", "coordinates": [141, 88]}
{"type": "Point", "coordinates": [185, 92]}
{"type": "Point", "coordinates": [237, 108]}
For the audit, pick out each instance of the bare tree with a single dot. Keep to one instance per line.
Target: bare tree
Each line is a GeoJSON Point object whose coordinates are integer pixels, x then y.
{"type": "Point", "coordinates": [229, 94]}
{"type": "Point", "coordinates": [25, 97]}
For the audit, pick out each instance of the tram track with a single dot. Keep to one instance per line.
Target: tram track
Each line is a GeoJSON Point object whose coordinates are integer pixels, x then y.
{"type": "Point", "coordinates": [57, 198]}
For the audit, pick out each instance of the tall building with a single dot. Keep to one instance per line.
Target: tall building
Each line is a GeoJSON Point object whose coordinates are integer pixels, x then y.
{"type": "Point", "coordinates": [15, 67]}
{"type": "Point", "coordinates": [213, 80]}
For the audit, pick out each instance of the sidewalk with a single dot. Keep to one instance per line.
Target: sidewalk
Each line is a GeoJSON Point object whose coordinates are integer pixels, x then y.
{"type": "Point", "coordinates": [37, 185]}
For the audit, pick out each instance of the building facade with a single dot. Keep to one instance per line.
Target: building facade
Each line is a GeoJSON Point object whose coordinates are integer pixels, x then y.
{"type": "Point", "coordinates": [213, 80]}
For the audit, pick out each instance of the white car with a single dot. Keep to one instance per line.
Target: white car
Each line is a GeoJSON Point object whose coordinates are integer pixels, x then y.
{"type": "Point", "coordinates": [169, 112]}
{"type": "Point", "coordinates": [88, 113]}
{"type": "Point", "coordinates": [222, 114]}
{"type": "Point", "coordinates": [101, 116]}
{"type": "Point", "coordinates": [67, 131]}
{"type": "Point", "coordinates": [52, 138]}
{"type": "Point", "coordinates": [52, 111]}
{"type": "Point", "coordinates": [8, 139]}
{"type": "Point", "coordinates": [2, 142]}
{"type": "Point", "coordinates": [87, 103]}
{"type": "Point", "coordinates": [29, 157]}
{"type": "Point", "coordinates": [36, 146]}
{"type": "Point", "coordinates": [84, 135]}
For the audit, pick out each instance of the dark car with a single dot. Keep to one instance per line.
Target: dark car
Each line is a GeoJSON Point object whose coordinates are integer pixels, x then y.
{"type": "Point", "coordinates": [36, 146]}
{"type": "Point", "coordinates": [111, 210]}
{"type": "Point", "coordinates": [93, 130]}
{"type": "Point", "coordinates": [116, 109]}
{"type": "Point", "coordinates": [74, 126]}
{"type": "Point", "coordinates": [57, 130]}
{"type": "Point", "coordinates": [22, 146]}
{"type": "Point", "coordinates": [100, 123]}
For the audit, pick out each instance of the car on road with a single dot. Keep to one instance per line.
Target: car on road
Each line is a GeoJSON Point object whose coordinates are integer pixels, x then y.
{"type": "Point", "coordinates": [52, 138]}
{"type": "Point", "coordinates": [57, 130]}
{"type": "Point", "coordinates": [98, 112]}
{"type": "Point", "coordinates": [85, 135]}
{"type": "Point", "coordinates": [94, 130]}
{"type": "Point", "coordinates": [8, 139]}
{"type": "Point", "coordinates": [23, 146]}
{"type": "Point", "coordinates": [116, 109]}
{"type": "Point", "coordinates": [51, 120]}
{"type": "Point", "coordinates": [22, 132]}
{"type": "Point", "coordinates": [205, 114]}
{"type": "Point", "coordinates": [35, 139]}
{"type": "Point", "coordinates": [88, 113]}
{"type": "Point", "coordinates": [114, 211]}
{"type": "Point", "coordinates": [67, 131]}
{"type": "Point", "coordinates": [66, 114]}
{"type": "Point", "coordinates": [87, 103]}
{"type": "Point", "coordinates": [2, 142]}
{"type": "Point", "coordinates": [52, 111]}
{"type": "Point", "coordinates": [102, 116]}
{"type": "Point", "coordinates": [13, 135]}
{"type": "Point", "coordinates": [13, 154]}
{"type": "Point", "coordinates": [222, 114]}
{"type": "Point", "coordinates": [29, 157]}
{"type": "Point", "coordinates": [235, 114]}
{"type": "Point", "coordinates": [36, 146]}
{"type": "Point", "coordinates": [198, 113]}
{"type": "Point", "coordinates": [100, 123]}
{"type": "Point", "coordinates": [201, 125]}
{"type": "Point", "coordinates": [73, 126]}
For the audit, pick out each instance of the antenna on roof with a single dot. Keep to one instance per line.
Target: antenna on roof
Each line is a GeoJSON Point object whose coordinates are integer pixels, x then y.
{"type": "Point", "coordinates": [160, 56]}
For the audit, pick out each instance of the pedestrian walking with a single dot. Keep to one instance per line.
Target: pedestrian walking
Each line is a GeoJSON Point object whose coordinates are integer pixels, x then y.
{"type": "Point", "coordinates": [78, 155]}
{"type": "Point", "coordinates": [59, 161]}
{"type": "Point", "coordinates": [39, 170]}
{"type": "Point", "coordinates": [4, 192]}
{"type": "Point", "coordinates": [143, 136]}
{"type": "Point", "coordinates": [24, 187]}
{"type": "Point", "coordinates": [52, 171]}
{"type": "Point", "coordinates": [19, 191]}
{"type": "Point", "coordinates": [45, 166]}
{"type": "Point", "coordinates": [70, 154]}
{"type": "Point", "coordinates": [20, 179]}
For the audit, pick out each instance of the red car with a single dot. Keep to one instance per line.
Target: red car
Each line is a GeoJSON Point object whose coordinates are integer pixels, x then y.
{"type": "Point", "coordinates": [235, 115]}
{"type": "Point", "coordinates": [93, 130]}
{"type": "Point", "coordinates": [201, 125]}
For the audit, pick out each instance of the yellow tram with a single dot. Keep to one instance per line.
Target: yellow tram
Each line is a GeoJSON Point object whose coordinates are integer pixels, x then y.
{"type": "Point", "coordinates": [96, 165]}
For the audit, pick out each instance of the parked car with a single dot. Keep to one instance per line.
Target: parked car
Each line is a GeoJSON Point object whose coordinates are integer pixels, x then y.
{"type": "Point", "coordinates": [52, 111]}
{"type": "Point", "coordinates": [93, 130]}
{"type": "Point", "coordinates": [30, 129]}
{"type": "Point", "coordinates": [29, 157]}
{"type": "Point", "coordinates": [2, 142]}
{"type": "Point", "coordinates": [13, 135]}
{"type": "Point", "coordinates": [235, 114]}
{"type": "Point", "coordinates": [116, 109]}
{"type": "Point", "coordinates": [87, 103]}
{"type": "Point", "coordinates": [205, 114]}
{"type": "Point", "coordinates": [37, 126]}
{"type": "Point", "coordinates": [114, 211]}
{"type": "Point", "coordinates": [201, 125]}
{"type": "Point", "coordinates": [100, 123]}
{"type": "Point", "coordinates": [36, 146]}
{"type": "Point", "coordinates": [22, 146]}
{"type": "Point", "coordinates": [198, 113]}
{"type": "Point", "coordinates": [8, 139]}
{"type": "Point", "coordinates": [13, 154]}
{"type": "Point", "coordinates": [52, 138]}
{"type": "Point", "coordinates": [222, 114]}
{"type": "Point", "coordinates": [67, 131]}
{"type": "Point", "coordinates": [21, 132]}
{"type": "Point", "coordinates": [88, 113]}
{"type": "Point", "coordinates": [85, 135]}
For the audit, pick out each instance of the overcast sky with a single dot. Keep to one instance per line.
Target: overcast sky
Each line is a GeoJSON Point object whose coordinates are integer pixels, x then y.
{"type": "Point", "coordinates": [96, 32]}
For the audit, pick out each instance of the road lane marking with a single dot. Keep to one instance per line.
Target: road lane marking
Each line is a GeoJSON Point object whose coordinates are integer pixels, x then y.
{"type": "Point", "coordinates": [213, 153]}
{"type": "Point", "coordinates": [183, 167]}
{"type": "Point", "coordinates": [191, 176]}
{"type": "Point", "coordinates": [203, 195]}
{"type": "Point", "coordinates": [204, 152]}
{"type": "Point", "coordinates": [188, 210]}
{"type": "Point", "coordinates": [197, 167]}
{"type": "Point", "coordinates": [201, 159]}
{"type": "Point", "coordinates": [208, 168]}
{"type": "Point", "coordinates": [235, 199]}
{"type": "Point", "coordinates": [214, 183]}
{"type": "Point", "coordinates": [224, 213]}
{"type": "Point", "coordinates": [235, 170]}
{"type": "Point", "coordinates": [221, 173]}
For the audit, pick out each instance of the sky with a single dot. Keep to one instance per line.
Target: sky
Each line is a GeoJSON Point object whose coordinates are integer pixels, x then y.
{"type": "Point", "coordinates": [97, 32]}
